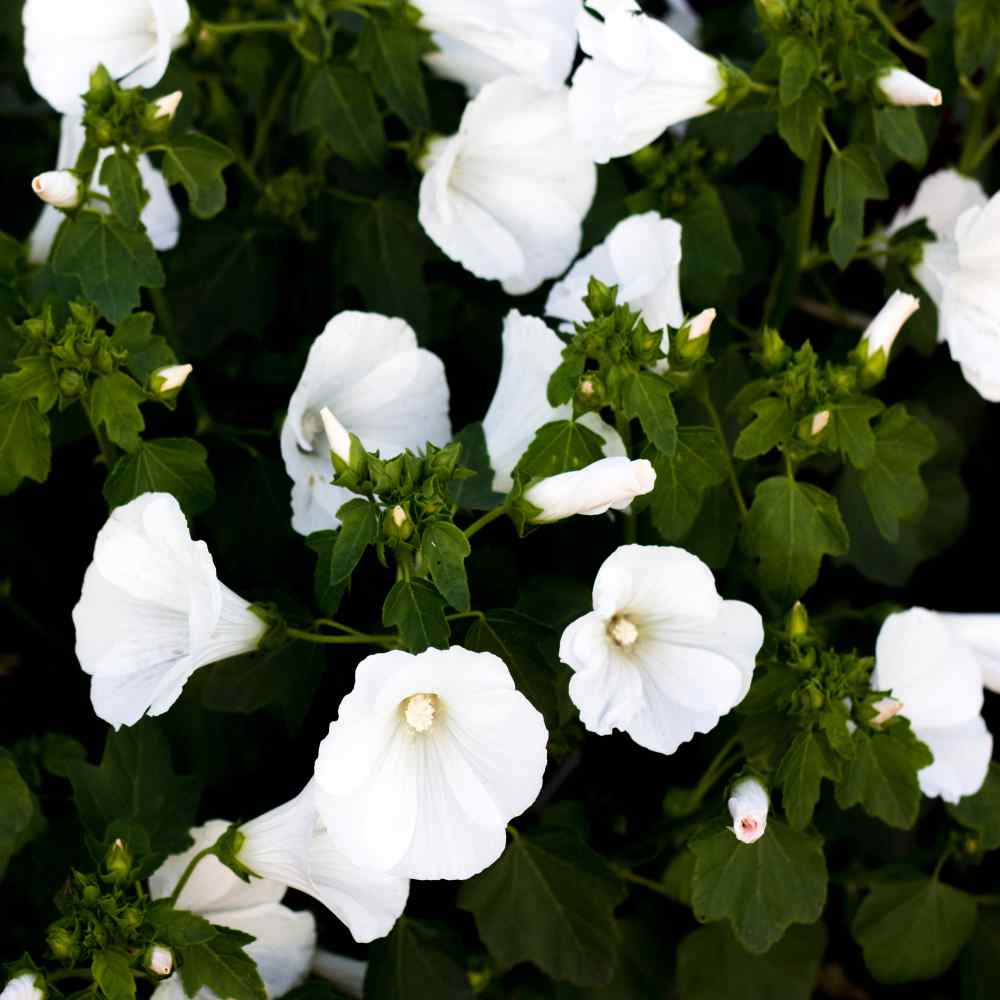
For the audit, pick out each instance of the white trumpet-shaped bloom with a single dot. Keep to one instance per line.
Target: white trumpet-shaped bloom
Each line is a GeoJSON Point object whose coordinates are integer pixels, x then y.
{"type": "Point", "coordinates": [520, 406]}
{"type": "Point", "coordinates": [938, 678]}
{"type": "Point", "coordinates": [428, 760]}
{"type": "Point", "coordinates": [22, 987]}
{"type": "Point", "coordinates": [642, 256]}
{"type": "Point", "coordinates": [506, 195]}
{"type": "Point", "coordinates": [159, 216]}
{"type": "Point", "coordinates": [608, 484]}
{"type": "Point", "coordinates": [153, 611]}
{"type": "Point", "coordinates": [961, 272]}
{"type": "Point", "coordinates": [377, 382]}
{"type": "Point", "coordinates": [285, 940]}
{"type": "Point", "coordinates": [748, 806]}
{"type": "Point", "coordinates": [482, 40]}
{"type": "Point", "coordinates": [641, 78]}
{"type": "Point", "coordinates": [903, 88]}
{"type": "Point", "coordinates": [662, 656]}
{"type": "Point", "coordinates": [982, 633]}
{"type": "Point", "coordinates": [66, 40]}
{"type": "Point", "coordinates": [883, 330]}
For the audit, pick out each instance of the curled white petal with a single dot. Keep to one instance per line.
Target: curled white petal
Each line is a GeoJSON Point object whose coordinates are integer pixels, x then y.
{"type": "Point", "coordinates": [166, 106]}
{"type": "Point", "coordinates": [748, 806]}
{"type": "Point", "coordinates": [982, 633]}
{"type": "Point", "coordinates": [172, 378]}
{"type": "Point", "coordinates": [901, 87]}
{"type": "Point", "coordinates": [602, 485]}
{"type": "Point", "coordinates": [884, 328]}
{"type": "Point", "coordinates": [941, 199]}
{"type": "Point", "coordinates": [58, 188]}
{"type": "Point", "coordinates": [22, 987]}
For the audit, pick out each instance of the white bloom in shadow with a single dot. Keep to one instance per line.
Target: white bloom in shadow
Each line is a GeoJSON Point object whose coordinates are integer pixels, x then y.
{"type": "Point", "coordinates": [428, 760]}
{"type": "Point", "coordinates": [982, 633]}
{"type": "Point", "coordinates": [285, 940]}
{"type": "Point", "coordinates": [641, 78]}
{"type": "Point", "coordinates": [608, 484]}
{"type": "Point", "coordinates": [520, 405]}
{"type": "Point", "coordinates": [938, 678]}
{"type": "Point", "coordinates": [506, 195]}
{"type": "Point", "coordinates": [662, 656]}
{"type": "Point", "coordinates": [748, 806]}
{"type": "Point", "coordinates": [22, 987]}
{"type": "Point", "coordinates": [159, 216]}
{"type": "Point", "coordinates": [380, 385]}
{"type": "Point", "coordinates": [642, 256]}
{"type": "Point", "coordinates": [66, 40]}
{"type": "Point", "coordinates": [153, 611]}
{"type": "Point", "coordinates": [482, 40]}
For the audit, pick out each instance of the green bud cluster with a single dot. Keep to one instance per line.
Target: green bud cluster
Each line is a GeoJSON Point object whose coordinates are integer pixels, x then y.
{"type": "Point", "coordinates": [672, 176]}
{"type": "Point", "coordinates": [118, 116]}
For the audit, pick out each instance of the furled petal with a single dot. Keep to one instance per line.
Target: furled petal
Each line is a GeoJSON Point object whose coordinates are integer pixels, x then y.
{"type": "Point", "coordinates": [962, 755]}
{"type": "Point", "coordinates": [594, 489]}
{"type": "Point", "coordinates": [982, 633]}
{"type": "Point", "coordinates": [898, 86]}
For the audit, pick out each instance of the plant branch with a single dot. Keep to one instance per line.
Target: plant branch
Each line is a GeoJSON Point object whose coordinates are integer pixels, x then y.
{"type": "Point", "coordinates": [705, 399]}
{"type": "Point", "coordinates": [355, 639]}
{"type": "Point", "coordinates": [188, 872]}
{"type": "Point", "coordinates": [488, 518]}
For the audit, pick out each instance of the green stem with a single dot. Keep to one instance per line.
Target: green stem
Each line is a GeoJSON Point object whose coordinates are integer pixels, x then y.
{"type": "Point", "coordinates": [464, 614]}
{"type": "Point", "coordinates": [720, 763]}
{"type": "Point", "coordinates": [894, 33]}
{"type": "Point", "coordinates": [987, 900]}
{"type": "Point", "coordinates": [108, 452]}
{"type": "Point", "coordinates": [630, 524]}
{"type": "Point", "coordinates": [251, 27]}
{"type": "Point", "coordinates": [630, 876]}
{"type": "Point", "coordinates": [984, 148]}
{"type": "Point", "coordinates": [268, 118]}
{"type": "Point", "coordinates": [188, 872]}
{"type": "Point", "coordinates": [830, 141]}
{"type": "Point", "coordinates": [734, 483]}
{"type": "Point", "coordinates": [488, 518]}
{"type": "Point", "coordinates": [80, 973]}
{"type": "Point", "coordinates": [973, 143]}
{"type": "Point", "coordinates": [356, 639]}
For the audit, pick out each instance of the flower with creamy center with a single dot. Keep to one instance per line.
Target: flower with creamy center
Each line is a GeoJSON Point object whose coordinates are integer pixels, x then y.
{"type": "Point", "coordinates": [748, 806]}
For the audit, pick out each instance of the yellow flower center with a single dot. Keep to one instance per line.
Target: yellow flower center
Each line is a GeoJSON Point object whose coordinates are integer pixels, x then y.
{"type": "Point", "coordinates": [420, 711]}
{"type": "Point", "coordinates": [623, 631]}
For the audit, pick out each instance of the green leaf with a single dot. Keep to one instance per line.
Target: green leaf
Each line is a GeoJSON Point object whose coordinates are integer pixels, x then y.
{"type": "Point", "coordinates": [561, 446]}
{"type": "Point", "coordinates": [113, 401]}
{"type": "Point", "coordinates": [476, 492]}
{"type": "Point", "coordinates": [416, 961]}
{"type": "Point", "coordinates": [798, 122]}
{"type": "Point", "coordinates": [178, 928]}
{"type": "Point", "coordinates": [135, 783]}
{"type": "Point", "coordinates": [417, 610]}
{"type": "Point", "coordinates": [112, 262]}
{"type": "Point", "coordinates": [790, 527]}
{"type": "Point", "coordinates": [892, 483]}
{"type": "Point", "coordinates": [799, 64]}
{"type": "Point", "coordinates": [391, 54]}
{"type": "Point", "coordinates": [882, 776]}
{"type": "Point", "coordinates": [120, 176]}
{"type": "Point", "coordinates": [25, 448]}
{"type": "Point", "coordinates": [710, 253]}
{"type": "Point", "coordinates": [714, 531]}
{"type": "Point", "coordinates": [977, 34]}
{"type": "Point", "coordinates": [733, 132]}
{"type": "Point", "coordinates": [710, 961]}
{"type": "Point", "coordinates": [914, 929]}
{"type": "Point", "coordinates": [981, 958]}
{"type": "Point", "coordinates": [113, 974]}
{"type": "Point", "coordinates": [899, 131]}
{"type": "Point", "coordinates": [165, 465]}
{"type": "Point", "coordinates": [850, 429]}
{"type": "Point", "coordinates": [697, 464]}
{"type": "Point", "coordinates": [197, 162]}
{"type": "Point", "coordinates": [358, 528]}
{"type": "Point", "coordinates": [647, 397]}
{"type": "Point", "coordinates": [445, 549]}
{"type": "Point", "coordinates": [981, 812]}
{"type": "Point", "coordinates": [17, 809]}
{"type": "Point", "coordinates": [802, 769]}
{"type": "Point", "coordinates": [772, 425]}
{"type": "Point", "coordinates": [338, 102]}
{"type": "Point", "coordinates": [852, 177]}
{"type": "Point", "coordinates": [761, 888]}
{"type": "Point", "coordinates": [549, 900]}
{"type": "Point", "coordinates": [35, 378]}
{"type": "Point", "coordinates": [222, 965]}
{"type": "Point", "coordinates": [147, 352]}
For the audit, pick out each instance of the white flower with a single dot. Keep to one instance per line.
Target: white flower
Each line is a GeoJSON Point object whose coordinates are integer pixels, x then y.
{"type": "Point", "coordinates": [66, 40]}
{"type": "Point", "coordinates": [642, 256]}
{"type": "Point", "coordinates": [368, 371]}
{"type": "Point", "coordinates": [346, 974]}
{"type": "Point", "coordinates": [923, 661]}
{"type": "Point", "coordinates": [681, 17]}
{"type": "Point", "coordinates": [506, 195]}
{"type": "Point", "coordinates": [520, 406]}
{"type": "Point", "coordinates": [22, 987]}
{"type": "Point", "coordinates": [429, 759]}
{"type": "Point", "coordinates": [160, 960]}
{"type": "Point", "coordinates": [884, 328]}
{"type": "Point", "coordinates": [170, 379]}
{"type": "Point", "coordinates": [903, 88]}
{"type": "Point", "coordinates": [284, 939]}
{"type": "Point", "coordinates": [610, 483]}
{"type": "Point", "coordinates": [58, 188]}
{"type": "Point", "coordinates": [982, 634]}
{"type": "Point", "coordinates": [961, 272]}
{"type": "Point", "coordinates": [483, 40]}
{"type": "Point", "coordinates": [748, 805]}
{"type": "Point", "coordinates": [153, 611]}
{"type": "Point", "coordinates": [160, 215]}
{"type": "Point", "coordinates": [662, 656]}
{"type": "Point", "coordinates": [641, 78]}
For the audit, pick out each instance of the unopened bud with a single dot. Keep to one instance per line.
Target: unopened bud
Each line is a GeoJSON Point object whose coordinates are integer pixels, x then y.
{"type": "Point", "coordinates": [399, 517]}
{"type": "Point", "coordinates": [118, 861]}
{"type": "Point", "coordinates": [159, 960]}
{"type": "Point", "coordinates": [337, 435]}
{"type": "Point", "coordinates": [166, 106]}
{"type": "Point", "coordinates": [903, 88]}
{"type": "Point", "coordinates": [701, 324]}
{"type": "Point", "coordinates": [59, 188]}
{"type": "Point", "coordinates": [168, 381]}
{"type": "Point", "coordinates": [71, 383]}
{"type": "Point", "coordinates": [62, 944]}
{"type": "Point", "coordinates": [774, 352]}
{"type": "Point", "coordinates": [398, 523]}
{"type": "Point", "coordinates": [798, 621]}
{"type": "Point", "coordinates": [819, 423]}
{"type": "Point", "coordinates": [885, 709]}
{"type": "Point", "coordinates": [882, 333]}
{"type": "Point", "coordinates": [748, 806]}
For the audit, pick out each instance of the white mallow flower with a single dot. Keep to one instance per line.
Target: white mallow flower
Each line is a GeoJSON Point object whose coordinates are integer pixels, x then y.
{"type": "Point", "coordinates": [608, 484]}
{"type": "Point", "coordinates": [938, 678]}
{"type": "Point", "coordinates": [370, 373]}
{"type": "Point", "coordinates": [982, 633]}
{"type": "Point", "coordinates": [428, 760]}
{"type": "Point", "coordinates": [153, 611]}
{"type": "Point", "coordinates": [285, 940]}
{"type": "Point", "coordinates": [883, 330]}
{"type": "Point", "coordinates": [159, 216]}
{"type": "Point", "coordinates": [662, 656]}
{"type": "Point", "coordinates": [23, 987]}
{"type": "Point", "coordinates": [642, 256]}
{"type": "Point", "coordinates": [520, 405]}
{"type": "Point", "coordinates": [66, 40]}
{"type": "Point", "coordinates": [961, 272]}
{"type": "Point", "coordinates": [482, 40]}
{"type": "Point", "coordinates": [506, 195]}
{"type": "Point", "coordinates": [748, 805]}
{"type": "Point", "coordinates": [903, 88]}
{"type": "Point", "coordinates": [641, 78]}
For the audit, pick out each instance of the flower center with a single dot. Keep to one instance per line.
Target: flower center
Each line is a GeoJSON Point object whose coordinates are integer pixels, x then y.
{"type": "Point", "coordinates": [420, 711]}
{"type": "Point", "coordinates": [623, 631]}
{"type": "Point", "coordinates": [312, 428]}
{"type": "Point", "coordinates": [748, 824]}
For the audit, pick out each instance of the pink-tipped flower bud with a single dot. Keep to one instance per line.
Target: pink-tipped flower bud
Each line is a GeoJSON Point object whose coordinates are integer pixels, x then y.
{"type": "Point", "coordinates": [748, 806]}
{"type": "Point", "coordinates": [885, 709]}
{"type": "Point", "coordinates": [160, 960]}
{"type": "Point", "coordinates": [906, 90]}
{"type": "Point", "coordinates": [59, 188]}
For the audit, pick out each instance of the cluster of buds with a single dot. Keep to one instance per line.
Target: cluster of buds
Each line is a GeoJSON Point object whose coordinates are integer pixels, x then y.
{"type": "Point", "coordinates": [122, 117]}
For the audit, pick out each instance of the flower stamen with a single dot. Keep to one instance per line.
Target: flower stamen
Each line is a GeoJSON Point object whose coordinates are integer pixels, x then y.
{"type": "Point", "coordinates": [420, 711]}
{"type": "Point", "coordinates": [623, 631]}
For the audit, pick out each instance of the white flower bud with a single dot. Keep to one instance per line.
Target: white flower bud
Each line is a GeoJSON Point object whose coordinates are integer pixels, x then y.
{"type": "Point", "coordinates": [160, 960]}
{"type": "Point", "coordinates": [884, 328]}
{"type": "Point", "coordinates": [166, 381]}
{"type": "Point", "coordinates": [885, 709]}
{"type": "Point", "coordinates": [59, 188]}
{"type": "Point", "coordinates": [607, 483]}
{"type": "Point", "coordinates": [23, 987]}
{"type": "Point", "coordinates": [166, 106]}
{"type": "Point", "coordinates": [903, 88]}
{"type": "Point", "coordinates": [701, 324]}
{"type": "Point", "coordinates": [819, 422]}
{"type": "Point", "coordinates": [336, 435]}
{"type": "Point", "coordinates": [748, 805]}
{"type": "Point", "coordinates": [398, 516]}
